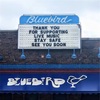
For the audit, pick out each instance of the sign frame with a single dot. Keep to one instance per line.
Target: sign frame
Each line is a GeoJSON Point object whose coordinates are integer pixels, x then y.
{"type": "Point", "coordinates": [74, 18]}
{"type": "Point", "coordinates": [79, 27]}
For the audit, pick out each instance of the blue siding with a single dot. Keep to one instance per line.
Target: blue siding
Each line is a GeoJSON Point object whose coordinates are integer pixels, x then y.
{"type": "Point", "coordinates": [50, 66]}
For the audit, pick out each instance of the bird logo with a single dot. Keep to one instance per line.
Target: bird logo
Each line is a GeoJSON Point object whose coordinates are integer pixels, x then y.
{"type": "Point", "coordinates": [74, 80]}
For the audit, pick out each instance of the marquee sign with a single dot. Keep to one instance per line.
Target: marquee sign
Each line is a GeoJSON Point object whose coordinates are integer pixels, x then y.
{"type": "Point", "coordinates": [49, 37]}
{"type": "Point", "coordinates": [49, 32]}
{"type": "Point", "coordinates": [84, 82]}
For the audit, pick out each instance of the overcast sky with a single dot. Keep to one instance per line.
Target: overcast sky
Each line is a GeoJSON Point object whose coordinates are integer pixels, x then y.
{"type": "Point", "coordinates": [87, 10]}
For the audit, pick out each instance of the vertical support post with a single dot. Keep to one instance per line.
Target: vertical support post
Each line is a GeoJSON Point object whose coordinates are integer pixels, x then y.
{"type": "Point", "coordinates": [73, 55]}
{"type": "Point", "coordinates": [99, 53]}
{"type": "Point", "coordinates": [48, 56]}
{"type": "Point", "coordinates": [1, 57]}
{"type": "Point", "coordinates": [22, 55]}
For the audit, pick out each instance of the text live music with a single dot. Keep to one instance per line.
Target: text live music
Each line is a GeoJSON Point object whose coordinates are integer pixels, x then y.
{"type": "Point", "coordinates": [53, 35]}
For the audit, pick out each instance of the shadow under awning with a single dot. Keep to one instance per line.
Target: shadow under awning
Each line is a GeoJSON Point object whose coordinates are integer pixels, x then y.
{"type": "Point", "coordinates": [32, 96]}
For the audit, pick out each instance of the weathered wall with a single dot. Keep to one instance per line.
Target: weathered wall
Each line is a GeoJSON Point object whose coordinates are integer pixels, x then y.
{"type": "Point", "coordinates": [11, 55]}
